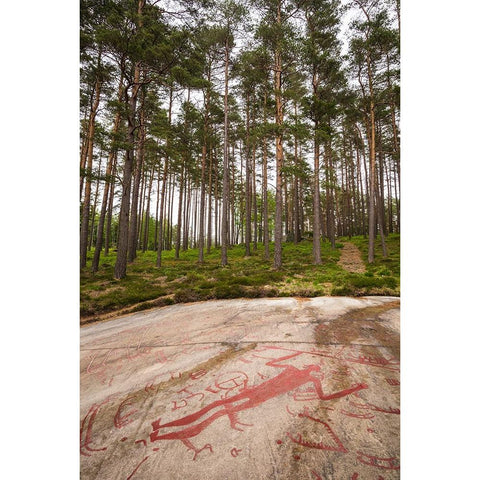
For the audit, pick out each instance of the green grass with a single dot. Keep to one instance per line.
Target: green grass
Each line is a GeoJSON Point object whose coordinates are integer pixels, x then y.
{"type": "Point", "coordinates": [184, 280]}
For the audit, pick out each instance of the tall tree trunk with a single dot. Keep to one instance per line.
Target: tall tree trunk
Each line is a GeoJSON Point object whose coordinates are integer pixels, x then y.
{"type": "Point", "coordinates": [160, 241]}
{"type": "Point", "coordinates": [317, 257]}
{"type": "Point", "coordinates": [147, 213]}
{"type": "Point", "coordinates": [371, 206]}
{"type": "Point", "coordinates": [95, 200]}
{"type": "Point", "coordinates": [179, 217]}
{"type": "Point", "coordinates": [296, 200]}
{"type": "Point", "coordinates": [201, 238]}
{"type": "Point", "coordinates": [186, 213]}
{"type": "Point", "coordinates": [226, 173]}
{"type": "Point", "coordinates": [107, 192]}
{"type": "Point", "coordinates": [232, 199]}
{"type": "Point", "coordinates": [248, 190]}
{"type": "Point", "coordinates": [277, 258]}
{"type": "Point", "coordinates": [108, 231]}
{"type": "Point", "coordinates": [120, 269]}
{"type": "Point", "coordinates": [331, 189]}
{"type": "Point", "coordinates": [254, 195]}
{"type": "Point", "coordinates": [157, 212]}
{"type": "Point", "coordinates": [88, 176]}
{"type": "Point", "coordinates": [266, 235]}
{"type": "Point", "coordinates": [138, 168]}
{"type": "Point", "coordinates": [209, 213]}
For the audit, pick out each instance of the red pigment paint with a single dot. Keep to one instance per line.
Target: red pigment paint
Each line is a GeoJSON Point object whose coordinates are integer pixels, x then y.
{"type": "Point", "coordinates": [123, 439]}
{"type": "Point", "coordinates": [198, 374]}
{"type": "Point", "coordinates": [338, 447]}
{"type": "Point", "coordinates": [185, 399]}
{"type": "Point", "coordinates": [235, 451]}
{"type": "Point", "coordinates": [317, 476]}
{"type": "Point", "coordinates": [389, 364]}
{"type": "Point", "coordinates": [296, 457]}
{"type": "Point", "coordinates": [391, 463]}
{"type": "Point", "coordinates": [149, 387]}
{"type": "Point", "coordinates": [357, 415]}
{"type": "Point", "coordinates": [120, 420]}
{"type": "Point", "coordinates": [136, 468]}
{"type": "Point", "coordinates": [86, 430]}
{"type": "Point", "coordinates": [392, 381]}
{"type": "Point", "coordinates": [370, 406]}
{"type": "Point", "coordinates": [279, 442]}
{"type": "Point", "coordinates": [289, 379]}
{"type": "Point", "coordinates": [231, 380]}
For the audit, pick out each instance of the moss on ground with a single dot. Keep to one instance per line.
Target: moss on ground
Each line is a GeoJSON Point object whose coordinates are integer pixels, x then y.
{"type": "Point", "coordinates": [185, 280]}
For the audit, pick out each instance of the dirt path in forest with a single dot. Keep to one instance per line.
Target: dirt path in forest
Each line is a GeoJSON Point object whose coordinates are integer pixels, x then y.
{"type": "Point", "coordinates": [351, 259]}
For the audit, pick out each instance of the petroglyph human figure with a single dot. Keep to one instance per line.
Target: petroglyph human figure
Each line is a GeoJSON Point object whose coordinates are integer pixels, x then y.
{"type": "Point", "coordinates": [289, 379]}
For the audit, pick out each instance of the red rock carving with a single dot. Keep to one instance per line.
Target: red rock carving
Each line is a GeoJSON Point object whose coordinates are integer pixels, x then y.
{"type": "Point", "coordinates": [387, 363]}
{"type": "Point", "coordinates": [235, 451]}
{"type": "Point", "coordinates": [86, 430]}
{"type": "Point", "coordinates": [370, 406]}
{"type": "Point", "coordinates": [392, 381]}
{"type": "Point", "coordinates": [120, 420]}
{"type": "Point", "coordinates": [250, 397]}
{"type": "Point", "coordinates": [136, 468]}
{"type": "Point", "coordinates": [196, 375]}
{"type": "Point", "coordinates": [386, 463]}
{"type": "Point", "coordinates": [337, 444]}
{"type": "Point", "coordinates": [366, 416]}
{"type": "Point", "coordinates": [185, 399]}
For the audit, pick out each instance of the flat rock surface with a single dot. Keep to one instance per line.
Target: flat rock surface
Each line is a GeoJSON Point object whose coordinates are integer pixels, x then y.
{"type": "Point", "coordinates": [283, 388]}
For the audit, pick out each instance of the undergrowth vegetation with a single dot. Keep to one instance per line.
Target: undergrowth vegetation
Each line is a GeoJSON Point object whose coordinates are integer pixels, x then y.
{"type": "Point", "coordinates": [184, 280]}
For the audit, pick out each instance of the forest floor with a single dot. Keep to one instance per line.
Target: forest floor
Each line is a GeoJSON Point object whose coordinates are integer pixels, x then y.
{"type": "Point", "coordinates": [344, 272]}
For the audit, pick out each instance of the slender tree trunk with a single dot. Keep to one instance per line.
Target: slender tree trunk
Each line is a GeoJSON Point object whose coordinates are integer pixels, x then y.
{"type": "Point", "coordinates": [218, 227]}
{"type": "Point", "coordinates": [295, 200]}
{"type": "Point", "coordinates": [108, 232]}
{"type": "Point", "coordinates": [371, 212]}
{"type": "Point", "coordinates": [95, 200]}
{"type": "Point", "coordinates": [266, 236]}
{"type": "Point", "coordinates": [209, 213]}
{"type": "Point", "coordinates": [232, 199]}
{"type": "Point", "coordinates": [317, 258]}
{"type": "Point", "coordinates": [226, 173]}
{"type": "Point", "coordinates": [160, 241]}
{"type": "Point", "coordinates": [248, 190]}
{"type": "Point", "coordinates": [138, 169]}
{"type": "Point", "coordinates": [157, 212]}
{"type": "Point", "coordinates": [108, 191]}
{"type": "Point", "coordinates": [147, 213]}
{"type": "Point", "coordinates": [171, 192]}
{"type": "Point", "coordinates": [120, 269]}
{"type": "Point", "coordinates": [201, 238]}
{"type": "Point", "coordinates": [186, 214]}
{"type": "Point", "coordinates": [88, 174]}
{"type": "Point", "coordinates": [179, 216]}
{"type": "Point", "coordinates": [123, 219]}
{"type": "Point", "coordinates": [277, 259]}
{"type": "Point", "coordinates": [254, 194]}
